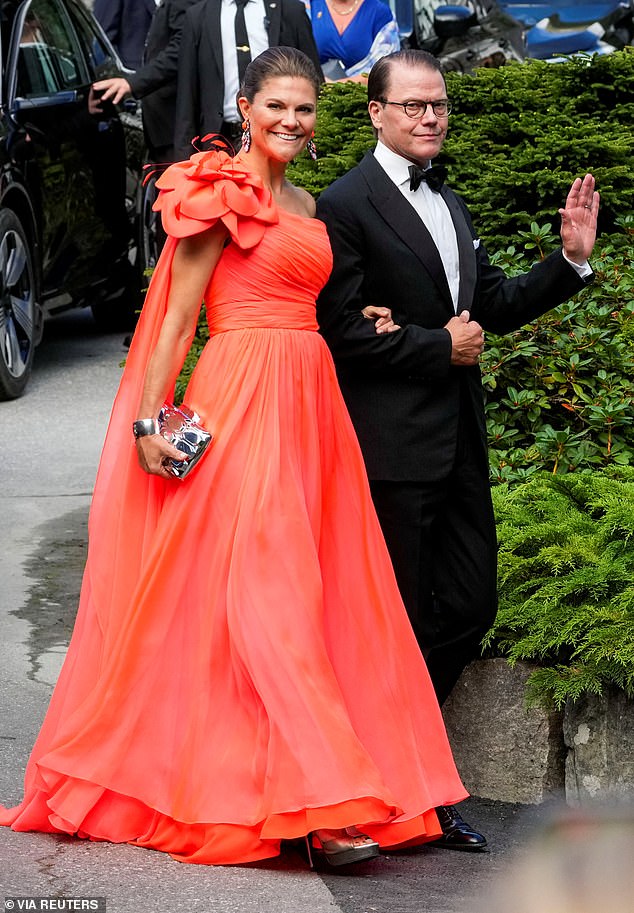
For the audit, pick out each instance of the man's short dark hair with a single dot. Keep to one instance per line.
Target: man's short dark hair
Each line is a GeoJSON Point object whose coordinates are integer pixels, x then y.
{"type": "Point", "coordinates": [379, 78]}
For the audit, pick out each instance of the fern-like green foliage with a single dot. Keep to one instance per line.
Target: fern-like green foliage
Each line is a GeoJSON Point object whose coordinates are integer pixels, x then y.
{"type": "Point", "coordinates": [566, 582]}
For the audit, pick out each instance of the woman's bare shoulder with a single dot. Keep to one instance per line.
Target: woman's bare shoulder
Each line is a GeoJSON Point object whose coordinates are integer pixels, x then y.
{"type": "Point", "coordinates": [308, 201]}
{"type": "Point", "coordinates": [300, 201]}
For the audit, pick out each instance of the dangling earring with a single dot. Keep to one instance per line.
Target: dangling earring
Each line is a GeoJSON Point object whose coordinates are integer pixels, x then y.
{"type": "Point", "coordinates": [246, 135]}
{"type": "Point", "coordinates": [312, 148]}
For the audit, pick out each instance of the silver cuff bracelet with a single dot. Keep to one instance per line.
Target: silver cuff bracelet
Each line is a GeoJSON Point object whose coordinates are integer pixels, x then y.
{"type": "Point", "coordinates": [145, 426]}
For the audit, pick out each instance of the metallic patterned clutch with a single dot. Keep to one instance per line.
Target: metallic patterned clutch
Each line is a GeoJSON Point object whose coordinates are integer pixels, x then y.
{"type": "Point", "coordinates": [180, 426]}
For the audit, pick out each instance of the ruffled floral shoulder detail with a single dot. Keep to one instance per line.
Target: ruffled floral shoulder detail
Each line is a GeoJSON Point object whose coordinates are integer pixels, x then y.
{"type": "Point", "coordinates": [212, 186]}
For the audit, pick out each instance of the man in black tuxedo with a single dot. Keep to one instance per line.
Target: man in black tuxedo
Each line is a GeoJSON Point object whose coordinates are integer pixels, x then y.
{"type": "Point", "coordinates": [401, 239]}
{"type": "Point", "coordinates": [209, 73]}
{"type": "Point", "coordinates": [155, 81]}
{"type": "Point", "coordinates": [126, 23]}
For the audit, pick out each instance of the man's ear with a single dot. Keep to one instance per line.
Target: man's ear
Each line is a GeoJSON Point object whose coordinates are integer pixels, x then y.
{"type": "Point", "coordinates": [375, 110]}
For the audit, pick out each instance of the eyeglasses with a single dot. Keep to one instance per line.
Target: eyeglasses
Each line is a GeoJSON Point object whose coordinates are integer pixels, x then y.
{"type": "Point", "coordinates": [441, 107]}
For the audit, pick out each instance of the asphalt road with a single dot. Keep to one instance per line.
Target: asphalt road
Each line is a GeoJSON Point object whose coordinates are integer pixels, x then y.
{"type": "Point", "coordinates": [49, 449]}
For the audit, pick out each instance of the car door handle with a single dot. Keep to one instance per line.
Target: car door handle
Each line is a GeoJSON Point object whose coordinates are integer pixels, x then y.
{"type": "Point", "coordinates": [45, 101]}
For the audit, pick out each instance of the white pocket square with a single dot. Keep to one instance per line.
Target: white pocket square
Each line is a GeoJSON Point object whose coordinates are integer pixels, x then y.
{"type": "Point", "coordinates": [476, 243]}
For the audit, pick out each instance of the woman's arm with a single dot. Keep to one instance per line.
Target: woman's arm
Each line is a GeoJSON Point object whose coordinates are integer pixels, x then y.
{"type": "Point", "coordinates": [194, 261]}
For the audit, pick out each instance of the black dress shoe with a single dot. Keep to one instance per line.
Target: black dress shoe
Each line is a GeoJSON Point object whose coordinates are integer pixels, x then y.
{"type": "Point", "coordinates": [456, 833]}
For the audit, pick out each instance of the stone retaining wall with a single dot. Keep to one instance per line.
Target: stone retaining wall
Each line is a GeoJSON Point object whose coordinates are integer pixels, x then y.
{"type": "Point", "coordinates": [509, 753]}
{"type": "Point", "coordinates": [599, 737]}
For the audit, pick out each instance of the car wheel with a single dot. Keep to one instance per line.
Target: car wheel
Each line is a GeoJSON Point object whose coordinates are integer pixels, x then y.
{"type": "Point", "coordinates": [19, 313]}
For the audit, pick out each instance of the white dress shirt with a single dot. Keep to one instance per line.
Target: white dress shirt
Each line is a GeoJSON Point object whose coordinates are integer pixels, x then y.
{"type": "Point", "coordinates": [256, 21]}
{"type": "Point", "coordinates": [433, 211]}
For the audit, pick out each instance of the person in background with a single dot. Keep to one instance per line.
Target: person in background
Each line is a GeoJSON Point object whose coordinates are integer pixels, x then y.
{"type": "Point", "coordinates": [219, 39]}
{"type": "Point", "coordinates": [126, 23]}
{"type": "Point", "coordinates": [155, 81]}
{"type": "Point", "coordinates": [580, 862]}
{"type": "Point", "coordinates": [351, 35]}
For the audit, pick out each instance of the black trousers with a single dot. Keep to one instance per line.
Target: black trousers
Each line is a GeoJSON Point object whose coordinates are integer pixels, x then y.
{"type": "Point", "coordinates": [442, 541]}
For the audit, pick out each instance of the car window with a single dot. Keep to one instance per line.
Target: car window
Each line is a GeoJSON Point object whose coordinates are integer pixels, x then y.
{"type": "Point", "coordinates": [101, 56]}
{"type": "Point", "coordinates": [48, 57]}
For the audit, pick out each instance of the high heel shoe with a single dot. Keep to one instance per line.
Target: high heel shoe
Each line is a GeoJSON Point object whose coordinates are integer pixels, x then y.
{"type": "Point", "coordinates": [343, 847]}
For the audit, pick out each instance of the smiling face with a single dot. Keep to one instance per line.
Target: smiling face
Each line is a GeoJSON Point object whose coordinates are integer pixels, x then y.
{"type": "Point", "coordinates": [281, 116]}
{"type": "Point", "coordinates": [417, 139]}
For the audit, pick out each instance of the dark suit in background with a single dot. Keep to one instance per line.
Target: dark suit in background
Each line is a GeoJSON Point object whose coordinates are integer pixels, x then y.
{"type": "Point", "coordinates": [126, 23]}
{"type": "Point", "coordinates": [199, 108]}
{"type": "Point", "coordinates": [420, 420]}
{"type": "Point", "coordinates": [155, 81]}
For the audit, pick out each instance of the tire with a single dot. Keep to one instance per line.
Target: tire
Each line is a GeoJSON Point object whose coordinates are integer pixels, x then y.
{"type": "Point", "coordinates": [20, 318]}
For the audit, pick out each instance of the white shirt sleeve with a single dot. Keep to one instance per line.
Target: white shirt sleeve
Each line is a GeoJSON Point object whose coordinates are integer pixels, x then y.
{"type": "Point", "coordinates": [583, 270]}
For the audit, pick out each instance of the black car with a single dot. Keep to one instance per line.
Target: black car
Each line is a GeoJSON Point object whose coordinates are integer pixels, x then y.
{"type": "Point", "coordinates": [70, 178]}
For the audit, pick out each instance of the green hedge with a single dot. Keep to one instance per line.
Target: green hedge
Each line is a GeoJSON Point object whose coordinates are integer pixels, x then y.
{"type": "Point", "coordinates": [518, 136]}
{"type": "Point", "coordinates": [559, 392]}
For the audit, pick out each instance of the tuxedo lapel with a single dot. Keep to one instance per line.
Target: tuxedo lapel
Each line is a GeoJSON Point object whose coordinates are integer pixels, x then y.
{"type": "Point", "coordinates": [466, 252]}
{"type": "Point", "coordinates": [403, 219]}
{"type": "Point", "coordinates": [273, 21]}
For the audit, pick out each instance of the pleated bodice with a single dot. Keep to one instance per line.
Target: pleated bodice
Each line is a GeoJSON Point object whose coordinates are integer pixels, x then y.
{"type": "Point", "coordinates": [274, 284]}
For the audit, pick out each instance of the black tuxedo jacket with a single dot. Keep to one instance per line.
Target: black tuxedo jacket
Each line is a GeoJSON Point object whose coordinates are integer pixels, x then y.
{"type": "Point", "coordinates": [199, 107]}
{"type": "Point", "coordinates": [403, 394]}
{"type": "Point", "coordinates": [155, 81]}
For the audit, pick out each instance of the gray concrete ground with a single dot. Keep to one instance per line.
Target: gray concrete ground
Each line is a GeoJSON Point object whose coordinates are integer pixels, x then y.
{"type": "Point", "coordinates": [49, 447]}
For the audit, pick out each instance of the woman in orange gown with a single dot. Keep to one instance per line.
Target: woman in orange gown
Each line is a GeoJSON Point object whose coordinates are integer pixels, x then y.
{"type": "Point", "coordinates": [242, 670]}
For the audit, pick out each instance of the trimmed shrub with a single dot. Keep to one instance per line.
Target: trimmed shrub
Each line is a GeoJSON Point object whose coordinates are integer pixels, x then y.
{"type": "Point", "coordinates": [559, 392]}
{"type": "Point", "coordinates": [202, 335]}
{"type": "Point", "coordinates": [518, 136]}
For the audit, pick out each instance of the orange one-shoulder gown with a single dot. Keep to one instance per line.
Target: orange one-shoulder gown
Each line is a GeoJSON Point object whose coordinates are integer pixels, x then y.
{"type": "Point", "coordinates": [242, 670]}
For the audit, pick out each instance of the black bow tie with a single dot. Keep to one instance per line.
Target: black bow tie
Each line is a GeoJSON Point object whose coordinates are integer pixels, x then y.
{"type": "Point", "coordinates": [435, 177]}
